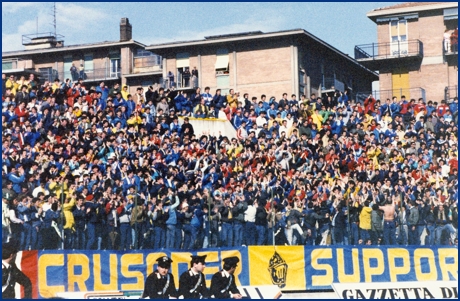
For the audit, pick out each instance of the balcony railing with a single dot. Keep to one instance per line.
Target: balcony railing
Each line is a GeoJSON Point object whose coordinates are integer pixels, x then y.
{"type": "Point", "coordinates": [41, 37]}
{"type": "Point", "coordinates": [450, 49]}
{"type": "Point", "coordinates": [450, 92]}
{"type": "Point", "coordinates": [88, 75]}
{"type": "Point", "coordinates": [410, 93]}
{"type": "Point", "coordinates": [380, 51]}
{"type": "Point", "coordinates": [96, 74]}
{"type": "Point", "coordinates": [146, 64]}
{"type": "Point", "coordinates": [330, 83]}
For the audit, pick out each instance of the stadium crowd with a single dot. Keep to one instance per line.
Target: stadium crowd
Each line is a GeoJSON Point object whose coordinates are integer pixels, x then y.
{"type": "Point", "coordinates": [98, 168]}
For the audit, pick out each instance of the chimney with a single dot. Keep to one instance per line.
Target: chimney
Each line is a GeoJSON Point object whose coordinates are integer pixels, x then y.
{"type": "Point", "coordinates": [126, 30]}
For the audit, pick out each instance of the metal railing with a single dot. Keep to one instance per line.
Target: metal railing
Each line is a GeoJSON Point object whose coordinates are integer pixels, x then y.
{"type": "Point", "coordinates": [29, 38]}
{"type": "Point", "coordinates": [389, 50]}
{"type": "Point", "coordinates": [92, 74]}
{"type": "Point", "coordinates": [450, 92]}
{"type": "Point", "coordinates": [410, 93]}
{"type": "Point", "coordinates": [332, 83]}
{"type": "Point", "coordinates": [450, 49]}
{"type": "Point", "coordinates": [146, 64]}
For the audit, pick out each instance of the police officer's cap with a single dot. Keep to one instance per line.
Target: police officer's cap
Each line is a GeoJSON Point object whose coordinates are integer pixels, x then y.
{"type": "Point", "coordinates": [231, 261]}
{"type": "Point", "coordinates": [198, 259]}
{"type": "Point", "coordinates": [8, 249]}
{"type": "Point", "coordinates": [164, 262]}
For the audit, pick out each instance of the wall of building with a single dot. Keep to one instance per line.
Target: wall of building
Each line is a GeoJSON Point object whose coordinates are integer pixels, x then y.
{"type": "Point", "coordinates": [264, 71]}
{"type": "Point", "coordinates": [258, 69]}
{"type": "Point", "coordinates": [433, 74]}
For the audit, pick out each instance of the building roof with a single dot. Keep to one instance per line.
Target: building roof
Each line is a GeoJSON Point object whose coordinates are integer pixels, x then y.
{"type": "Point", "coordinates": [406, 5]}
{"type": "Point", "coordinates": [225, 38]}
{"type": "Point", "coordinates": [409, 7]}
{"type": "Point", "coordinates": [17, 53]}
{"type": "Point", "coordinates": [245, 36]}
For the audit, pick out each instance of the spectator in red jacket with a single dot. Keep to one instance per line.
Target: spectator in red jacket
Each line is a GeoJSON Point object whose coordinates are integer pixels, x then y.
{"type": "Point", "coordinates": [21, 112]}
{"type": "Point", "coordinates": [369, 104]}
{"type": "Point", "coordinates": [441, 109]}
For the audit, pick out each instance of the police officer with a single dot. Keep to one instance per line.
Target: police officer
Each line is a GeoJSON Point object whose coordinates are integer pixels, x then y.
{"type": "Point", "coordinates": [160, 284]}
{"type": "Point", "coordinates": [192, 284]}
{"type": "Point", "coordinates": [12, 275]}
{"type": "Point", "coordinates": [223, 284]}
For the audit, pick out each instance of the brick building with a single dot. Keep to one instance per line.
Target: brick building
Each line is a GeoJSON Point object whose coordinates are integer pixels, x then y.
{"type": "Point", "coordinates": [292, 61]}
{"type": "Point", "coordinates": [124, 61]}
{"type": "Point", "coordinates": [410, 54]}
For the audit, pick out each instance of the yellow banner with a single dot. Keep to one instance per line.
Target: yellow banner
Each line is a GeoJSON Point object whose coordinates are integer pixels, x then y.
{"type": "Point", "coordinates": [283, 266]}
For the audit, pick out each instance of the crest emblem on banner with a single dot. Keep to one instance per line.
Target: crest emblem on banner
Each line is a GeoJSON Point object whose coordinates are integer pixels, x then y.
{"type": "Point", "coordinates": [278, 270]}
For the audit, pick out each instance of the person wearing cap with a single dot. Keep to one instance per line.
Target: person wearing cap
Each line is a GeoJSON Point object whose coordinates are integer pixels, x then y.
{"type": "Point", "coordinates": [192, 283]}
{"type": "Point", "coordinates": [160, 284]}
{"type": "Point", "coordinates": [11, 275]}
{"type": "Point", "coordinates": [223, 284]}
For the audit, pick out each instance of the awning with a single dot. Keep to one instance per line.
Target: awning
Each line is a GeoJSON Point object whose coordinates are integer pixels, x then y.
{"type": "Point", "coordinates": [21, 71]}
{"type": "Point", "coordinates": [451, 13]}
{"type": "Point", "coordinates": [396, 18]}
{"type": "Point", "coordinates": [182, 60]}
{"type": "Point", "coordinates": [182, 63]}
{"type": "Point", "coordinates": [222, 62]}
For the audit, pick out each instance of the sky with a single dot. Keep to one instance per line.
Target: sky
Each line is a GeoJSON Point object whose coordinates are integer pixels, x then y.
{"type": "Point", "coordinates": [342, 25]}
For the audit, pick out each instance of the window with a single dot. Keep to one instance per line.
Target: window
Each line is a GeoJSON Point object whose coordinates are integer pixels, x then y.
{"type": "Point", "coordinates": [221, 62]}
{"type": "Point", "coordinates": [46, 73]}
{"type": "Point", "coordinates": [114, 70]}
{"type": "Point", "coordinates": [67, 66]}
{"type": "Point", "coordinates": [144, 57]}
{"type": "Point", "coordinates": [7, 66]}
{"type": "Point", "coordinates": [302, 77]}
{"type": "Point", "coordinates": [183, 64]}
{"type": "Point", "coordinates": [88, 64]}
{"type": "Point", "coordinates": [398, 37]}
{"type": "Point", "coordinates": [302, 90]}
{"type": "Point", "coordinates": [223, 83]}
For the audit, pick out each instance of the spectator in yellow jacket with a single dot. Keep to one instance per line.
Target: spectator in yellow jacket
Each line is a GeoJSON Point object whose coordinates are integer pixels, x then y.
{"type": "Point", "coordinates": [317, 119]}
{"type": "Point", "coordinates": [365, 224]}
{"type": "Point", "coordinates": [69, 225]}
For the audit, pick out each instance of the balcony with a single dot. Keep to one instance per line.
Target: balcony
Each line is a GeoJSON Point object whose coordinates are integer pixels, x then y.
{"type": "Point", "coordinates": [410, 93]}
{"type": "Point", "coordinates": [375, 55]}
{"type": "Point", "coordinates": [450, 54]}
{"type": "Point", "coordinates": [147, 64]}
{"type": "Point", "coordinates": [90, 75]}
{"type": "Point", "coordinates": [102, 74]}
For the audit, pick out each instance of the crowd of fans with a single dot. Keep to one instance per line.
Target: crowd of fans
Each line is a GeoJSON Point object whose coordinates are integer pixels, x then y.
{"type": "Point", "coordinates": [98, 168]}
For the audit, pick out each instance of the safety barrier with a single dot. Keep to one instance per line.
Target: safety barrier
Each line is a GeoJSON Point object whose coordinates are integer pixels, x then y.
{"type": "Point", "coordinates": [291, 268]}
{"type": "Point", "coordinates": [211, 126]}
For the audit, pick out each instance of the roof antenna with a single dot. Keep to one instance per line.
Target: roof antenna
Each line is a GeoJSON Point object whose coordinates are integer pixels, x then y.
{"type": "Point", "coordinates": [54, 15]}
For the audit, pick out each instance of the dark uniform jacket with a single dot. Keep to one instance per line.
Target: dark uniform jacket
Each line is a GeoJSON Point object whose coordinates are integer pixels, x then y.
{"type": "Point", "coordinates": [193, 286]}
{"type": "Point", "coordinates": [160, 287]}
{"type": "Point", "coordinates": [11, 276]}
{"type": "Point", "coordinates": [222, 284]}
